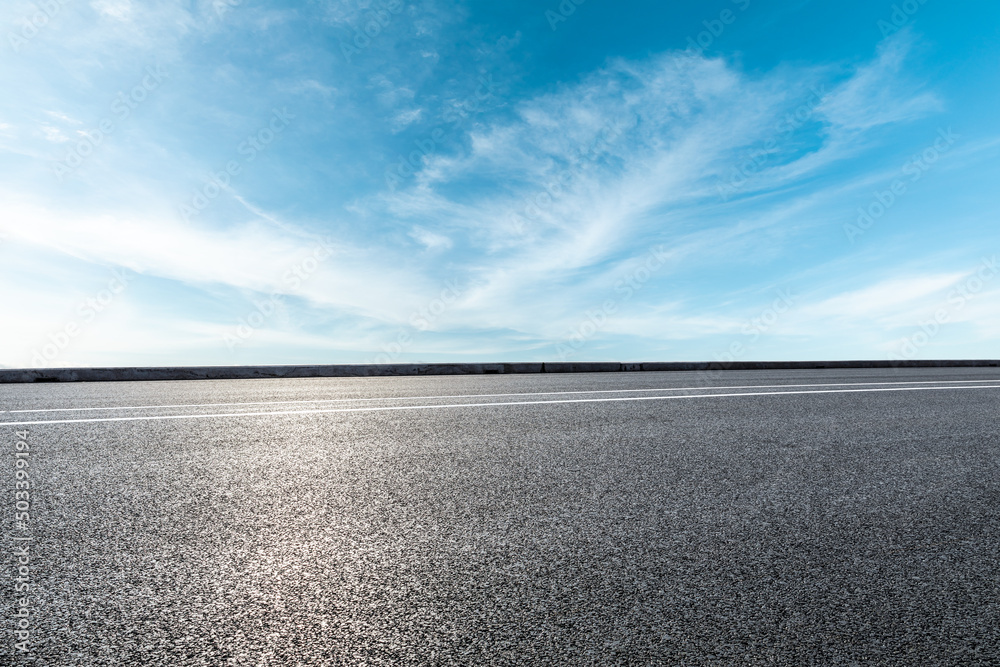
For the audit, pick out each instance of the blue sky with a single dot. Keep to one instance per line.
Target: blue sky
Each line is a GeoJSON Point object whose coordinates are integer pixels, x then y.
{"type": "Point", "coordinates": [229, 182]}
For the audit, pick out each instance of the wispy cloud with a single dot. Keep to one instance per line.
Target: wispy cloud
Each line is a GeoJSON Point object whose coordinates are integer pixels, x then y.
{"type": "Point", "coordinates": [626, 158]}
{"type": "Point", "coordinates": [881, 92]}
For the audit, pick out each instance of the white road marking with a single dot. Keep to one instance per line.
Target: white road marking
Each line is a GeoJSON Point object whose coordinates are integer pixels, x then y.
{"type": "Point", "coordinates": [481, 405]}
{"type": "Point", "coordinates": [533, 393]}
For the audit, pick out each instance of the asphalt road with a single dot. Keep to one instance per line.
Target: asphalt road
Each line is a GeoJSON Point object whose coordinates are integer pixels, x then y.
{"type": "Point", "coordinates": [758, 518]}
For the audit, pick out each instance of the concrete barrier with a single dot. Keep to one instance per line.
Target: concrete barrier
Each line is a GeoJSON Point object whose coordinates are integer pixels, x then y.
{"type": "Point", "coordinates": [582, 367]}
{"type": "Point", "coordinates": [393, 370]}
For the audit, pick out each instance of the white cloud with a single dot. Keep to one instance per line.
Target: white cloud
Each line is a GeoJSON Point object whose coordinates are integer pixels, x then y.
{"type": "Point", "coordinates": [249, 257]}
{"type": "Point", "coordinates": [429, 239]}
{"type": "Point", "coordinates": [887, 302]}
{"type": "Point", "coordinates": [63, 117]}
{"type": "Point", "coordinates": [405, 118]}
{"type": "Point", "coordinates": [389, 94]}
{"type": "Point", "coordinates": [120, 10]}
{"type": "Point", "coordinates": [53, 134]}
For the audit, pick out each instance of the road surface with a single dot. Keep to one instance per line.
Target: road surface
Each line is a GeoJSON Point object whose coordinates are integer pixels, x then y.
{"type": "Point", "coordinates": [759, 518]}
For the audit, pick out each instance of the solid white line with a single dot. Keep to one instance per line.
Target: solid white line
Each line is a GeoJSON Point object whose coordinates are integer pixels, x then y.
{"type": "Point", "coordinates": [533, 393]}
{"type": "Point", "coordinates": [481, 405]}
